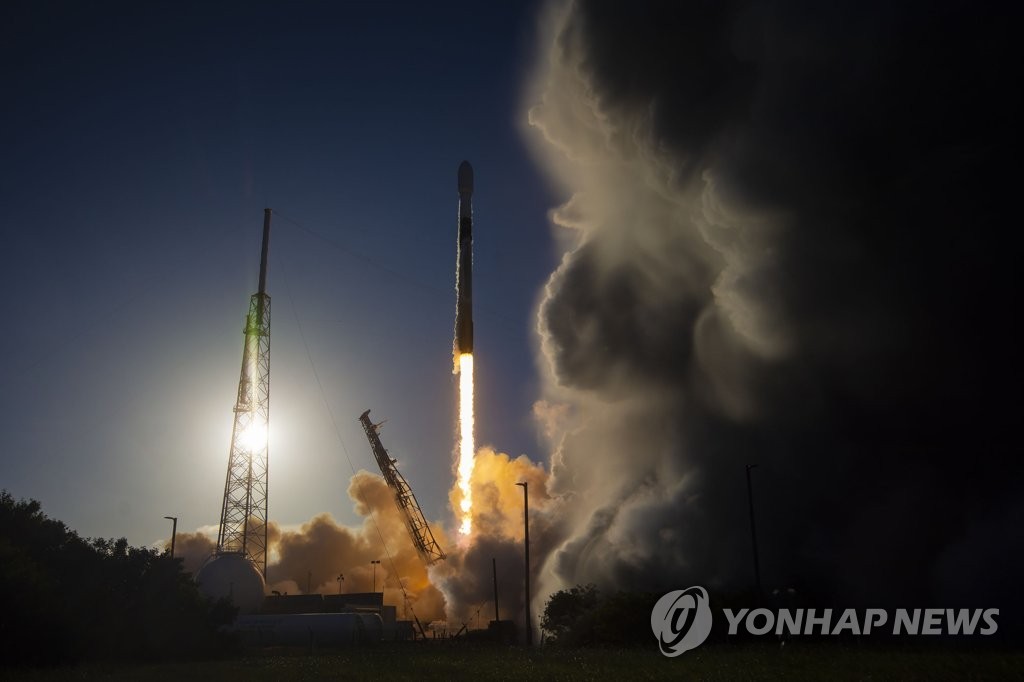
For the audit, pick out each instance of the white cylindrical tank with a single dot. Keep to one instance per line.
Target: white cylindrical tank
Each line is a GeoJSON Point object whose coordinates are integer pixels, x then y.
{"type": "Point", "coordinates": [310, 628]}
{"type": "Point", "coordinates": [235, 577]}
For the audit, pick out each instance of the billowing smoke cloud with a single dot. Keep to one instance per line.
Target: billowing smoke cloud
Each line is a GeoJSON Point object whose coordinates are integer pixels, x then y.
{"type": "Point", "coordinates": [466, 578]}
{"type": "Point", "coordinates": [309, 559]}
{"type": "Point", "coordinates": [194, 548]}
{"type": "Point", "coordinates": [313, 556]}
{"type": "Point", "coordinates": [785, 248]}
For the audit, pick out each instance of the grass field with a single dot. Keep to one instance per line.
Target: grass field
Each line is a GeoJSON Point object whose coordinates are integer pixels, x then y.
{"type": "Point", "coordinates": [447, 661]}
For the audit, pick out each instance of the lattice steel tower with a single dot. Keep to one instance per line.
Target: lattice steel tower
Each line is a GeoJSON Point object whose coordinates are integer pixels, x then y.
{"type": "Point", "coordinates": [243, 519]}
{"type": "Point", "coordinates": [422, 537]}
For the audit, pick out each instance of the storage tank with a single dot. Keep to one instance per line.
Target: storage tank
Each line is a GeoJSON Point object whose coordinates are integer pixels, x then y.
{"type": "Point", "coordinates": [235, 577]}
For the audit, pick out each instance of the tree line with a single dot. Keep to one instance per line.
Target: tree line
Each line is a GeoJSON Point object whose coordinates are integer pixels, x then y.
{"type": "Point", "coordinates": [67, 599]}
{"type": "Point", "coordinates": [584, 616]}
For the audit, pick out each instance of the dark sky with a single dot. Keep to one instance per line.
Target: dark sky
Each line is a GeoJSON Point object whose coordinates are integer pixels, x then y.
{"type": "Point", "coordinates": [141, 142]}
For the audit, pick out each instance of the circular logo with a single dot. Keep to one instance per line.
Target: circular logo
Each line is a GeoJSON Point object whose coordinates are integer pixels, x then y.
{"type": "Point", "coordinates": [681, 620]}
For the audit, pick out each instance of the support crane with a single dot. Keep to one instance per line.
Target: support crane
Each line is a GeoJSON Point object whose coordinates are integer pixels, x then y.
{"type": "Point", "coordinates": [422, 537]}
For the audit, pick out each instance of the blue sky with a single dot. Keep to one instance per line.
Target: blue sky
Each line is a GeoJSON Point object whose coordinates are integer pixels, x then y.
{"type": "Point", "coordinates": [141, 144]}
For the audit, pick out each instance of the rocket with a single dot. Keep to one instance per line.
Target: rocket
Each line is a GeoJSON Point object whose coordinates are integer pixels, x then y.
{"type": "Point", "coordinates": [464, 264]}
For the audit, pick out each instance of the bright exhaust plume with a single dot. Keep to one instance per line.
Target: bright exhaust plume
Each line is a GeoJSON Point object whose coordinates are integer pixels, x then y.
{"type": "Point", "coordinates": [466, 444]}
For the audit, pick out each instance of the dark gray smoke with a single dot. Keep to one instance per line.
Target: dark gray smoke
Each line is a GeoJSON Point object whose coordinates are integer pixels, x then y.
{"type": "Point", "coordinates": [791, 248]}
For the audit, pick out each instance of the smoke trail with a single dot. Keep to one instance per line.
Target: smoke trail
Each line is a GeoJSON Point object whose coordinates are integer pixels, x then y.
{"type": "Point", "coordinates": [466, 445]}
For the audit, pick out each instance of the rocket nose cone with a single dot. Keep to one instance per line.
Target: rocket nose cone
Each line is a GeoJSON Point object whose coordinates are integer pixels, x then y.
{"type": "Point", "coordinates": [465, 178]}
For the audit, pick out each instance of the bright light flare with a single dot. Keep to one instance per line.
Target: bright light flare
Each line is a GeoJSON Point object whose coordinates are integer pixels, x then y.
{"type": "Point", "coordinates": [253, 437]}
{"type": "Point", "coordinates": [466, 445]}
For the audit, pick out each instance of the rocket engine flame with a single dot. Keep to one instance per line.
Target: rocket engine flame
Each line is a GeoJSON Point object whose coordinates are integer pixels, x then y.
{"type": "Point", "coordinates": [463, 346]}
{"type": "Point", "coordinates": [466, 444]}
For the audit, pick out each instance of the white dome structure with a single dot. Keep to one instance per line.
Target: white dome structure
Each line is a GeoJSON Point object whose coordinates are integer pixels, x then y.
{"type": "Point", "coordinates": [235, 577]}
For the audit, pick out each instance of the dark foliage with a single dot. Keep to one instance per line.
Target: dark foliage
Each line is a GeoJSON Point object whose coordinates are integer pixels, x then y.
{"type": "Point", "coordinates": [68, 599]}
{"type": "Point", "coordinates": [582, 616]}
{"type": "Point", "coordinates": [564, 611]}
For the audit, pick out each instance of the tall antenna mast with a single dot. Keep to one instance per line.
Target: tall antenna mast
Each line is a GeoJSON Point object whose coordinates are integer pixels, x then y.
{"type": "Point", "coordinates": [243, 519]}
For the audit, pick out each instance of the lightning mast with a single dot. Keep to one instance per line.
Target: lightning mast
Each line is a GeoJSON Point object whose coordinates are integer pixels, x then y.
{"type": "Point", "coordinates": [243, 519]}
{"type": "Point", "coordinates": [422, 537]}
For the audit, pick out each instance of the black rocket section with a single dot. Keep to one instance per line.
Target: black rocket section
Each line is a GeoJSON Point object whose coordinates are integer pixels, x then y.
{"type": "Point", "coordinates": [464, 264]}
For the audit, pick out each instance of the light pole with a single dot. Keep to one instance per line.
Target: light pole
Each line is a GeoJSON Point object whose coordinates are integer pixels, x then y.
{"type": "Point", "coordinates": [341, 579]}
{"type": "Point", "coordinates": [753, 530]}
{"type": "Point", "coordinates": [374, 564]}
{"type": "Point", "coordinates": [494, 574]}
{"type": "Point", "coordinates": [174, 531]}
{"type": "Point", "coordinates": [526, 563]}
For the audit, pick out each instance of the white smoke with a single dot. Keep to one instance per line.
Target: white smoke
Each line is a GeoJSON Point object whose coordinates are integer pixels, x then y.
{"type": "Point", "coordinates": [754, 272]}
